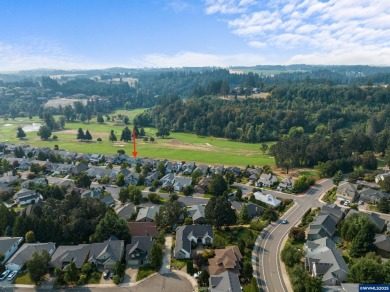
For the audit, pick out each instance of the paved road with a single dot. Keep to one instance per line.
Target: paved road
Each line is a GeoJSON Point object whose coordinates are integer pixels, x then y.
{"type": "Point", "coordinates": [163, 283]}
{"type": "Point", "coordinates": [267, 269]}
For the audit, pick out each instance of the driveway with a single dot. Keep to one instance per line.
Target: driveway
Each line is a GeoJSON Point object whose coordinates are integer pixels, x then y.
{"type": "Point", "coordinates": [131, 275]}
{"type": "Point", "coordinates": [166, 265]}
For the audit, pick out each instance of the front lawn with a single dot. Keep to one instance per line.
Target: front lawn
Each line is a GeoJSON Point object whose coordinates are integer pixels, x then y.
{"type": "Point", "coordinates": [94, 278]}
{"type": "Point", "coordinates": [23, 278]}
{"type": "Point", "coordinates": [178, 264]}
{"type": "Point", "coordinates": [144, 272]}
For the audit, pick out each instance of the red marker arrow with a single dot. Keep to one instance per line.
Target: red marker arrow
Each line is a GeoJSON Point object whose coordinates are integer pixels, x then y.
{"type": "Point", "coordinates": [135, 150]}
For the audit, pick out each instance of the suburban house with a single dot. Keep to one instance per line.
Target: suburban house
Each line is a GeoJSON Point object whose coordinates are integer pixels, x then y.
{"type": "Point", "coordinates": [35, 182]}
{"type": "Point", "coordinates": [147, 214]}
{"type": "Point", "coordinates": [286, 184]}
{"type": "Point", "coordinates": [204, 169]}
{"type": "Point", "coordinates": [188, 168]}
{"type": "Point", "coordinates": [202, 186]}
{"type": "Point", "coordinates": [322, 226]}
{"type": "Point", "coordinates": [151, 177]}
{"type": "Point", "coordinates": [178, 182]}
{"type": "Point", "coordinates": [79, 168]}
{"type": "Point", "coordinates": [253, 209]}
{"type": "Point", "coordinates": [143, 229]}
{"type": "Point", "coordinates": [186, 235]}
{"type": "Point", "coordinates": [382, 243]}
{"type": "Point", "coordinates": [226, 281]}
{"type": "Point", "coordinates": [334, 211]}
{"type": "Point", "coordinates": [96, 158]}
{"type": "Point", "coordinates": [347, 191]}
{"type": "Point", "coordinates": [225, 259]}
{"type": "Point", "coordinates": [371, 196]}
{"type": "Point", "coordinates": [25, 253]}
{"type": "Point", "coordinates": [125, 212]}
{"type": "Point", "coordinates": [323, 259]}
{"type": "Point", "coordinates": [9, 179]}
{"type": "Point", "coordinates": [137, 252]}
{"type": "Point", "coordinates": [217, 169]}
{"type": "Point", "coordinates": [197, 214]}
{"type": "Point", "coordinates": [100, 172]}
{"type": "Point", "coordinates": [381, 176]}
{"type": "Point", "coordinates": [8, 246]}
{"type": "Point", "coordinates": [267, 199]}
{"type": "Point", "coordinates": [132, 179]}
{"type": "Point", "coordinates": [267, 180]}
{"type": "Point", "coordinates": [105, 255]}
{"type": "Point", "coordinates": [65, 254]}
{"type": "Point", "coordinates": [373, 217]}
{"type": "Point", "coordinates": [26, 196]}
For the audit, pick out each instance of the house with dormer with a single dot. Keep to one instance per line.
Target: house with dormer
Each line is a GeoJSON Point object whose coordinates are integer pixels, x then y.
{"type": "Point", "coordinates": [138, 251]}
{"type": "Point", "coordinates": [191, 234]}
{"type": "Point", "coordinates": [268, 199]}
{"type": "Point", "coordinates": [105, 255]}
{"type": "Point", "coordinates": [267, 180]}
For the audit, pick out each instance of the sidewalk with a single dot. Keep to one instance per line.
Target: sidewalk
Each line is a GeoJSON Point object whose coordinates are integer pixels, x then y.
{"type": "Point", "coordinates": [166, 264]}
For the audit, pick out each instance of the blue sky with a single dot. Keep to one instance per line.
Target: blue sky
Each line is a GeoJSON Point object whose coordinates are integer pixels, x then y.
{"type": "Point", "coordinates": [78, 34]}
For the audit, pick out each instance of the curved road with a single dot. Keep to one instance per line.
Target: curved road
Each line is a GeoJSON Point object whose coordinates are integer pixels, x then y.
{"type": "Point", "coordinates": [265, 257]}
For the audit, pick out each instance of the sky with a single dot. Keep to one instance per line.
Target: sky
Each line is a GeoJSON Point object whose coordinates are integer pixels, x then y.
{"type": "Point", "coordinates": [86, 34]}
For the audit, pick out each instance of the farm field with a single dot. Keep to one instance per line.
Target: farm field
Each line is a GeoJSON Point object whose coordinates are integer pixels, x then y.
{"type": "Point", "coordinates": [178, 146]}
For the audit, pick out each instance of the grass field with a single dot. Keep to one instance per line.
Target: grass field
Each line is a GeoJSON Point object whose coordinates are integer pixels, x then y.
{"type": "Point", "coordinates": [24, 279]}
{"type": "Point", "coordinates": [178, 146]}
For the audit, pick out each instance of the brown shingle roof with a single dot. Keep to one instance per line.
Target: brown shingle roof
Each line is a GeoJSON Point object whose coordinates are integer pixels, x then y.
{"type": "Point", "coordinates": [143, 229]}
{"type": "Point", "coordinates": [225, 259]}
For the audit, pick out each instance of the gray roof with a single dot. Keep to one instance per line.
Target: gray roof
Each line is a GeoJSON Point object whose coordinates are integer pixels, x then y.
{"type": "Point", "coordinates": [347, 189]}
{"type": "Point", "coordinates": [24, 193]}
{"type": "Point", "coordinates": [335, 211]}
{"type": "Point", "coordinates": [65, 254]}
{"type": "Point", "coordinates": [382, 242]}
{"type": "Point", "coordinates": [143, 243]}
{"type": "Point", "coordinates": [371, 194]}
{"type": "Point", "coordinates": [196, 212]}
{"type": "Point", "coordinates": [7, 242]}
{"type": "Point", "coordinates": [326, 222]}
{"type": "Point", "coordinates": [374, 218]}
{"type": "Point", "coordinates": [147, 212]}
{"type": "Point", "coordinates": [327, 259]}
{"type": "Point", "coordinates": [225, 282]}
{"type": "Point", "coordinates": [184, 232]}
{"type": "Point", "coordinates": [25, 252]}
{"type": "Point", "coordinates": [126, 211]}
{"type": "Point", "coordinates": [112, 247]}
{"type": "Point", "coordinates": [108, 200]}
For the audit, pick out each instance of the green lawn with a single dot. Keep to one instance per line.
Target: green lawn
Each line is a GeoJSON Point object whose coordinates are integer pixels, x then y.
{"type": "Point", "coordinates": [178, 264]}
{"type": "Point", "coordinates": [178, 146]}
{"type": "Point", "coordinates": [23, 278]}
{"type": "Point", "coordinates": [144, 272]}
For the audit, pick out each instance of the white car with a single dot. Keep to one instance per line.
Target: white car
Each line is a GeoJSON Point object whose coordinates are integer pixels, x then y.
{"type": "Point", "coordinates": [346, 204]}
{"type": "Point", "coordinates": [12, 275]}
{"type": "Point", "coordinates": [361, 202]}
{"type": "Point", "coordinates": [4, 275]}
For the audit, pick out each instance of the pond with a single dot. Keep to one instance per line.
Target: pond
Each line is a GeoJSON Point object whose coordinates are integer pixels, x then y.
{"type": "Point", "coordinates": [32, 128]}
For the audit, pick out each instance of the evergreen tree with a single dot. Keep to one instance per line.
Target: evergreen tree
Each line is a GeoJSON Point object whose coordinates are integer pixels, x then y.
{"type": "Point", "coordinates": [338, 177]}
{"type": "Point", "coordinates": [20, 134]}
{"type": "Point", "coordinates": [384, 205]}
{"type": "Point", "coordinates": [126, 135]}
{"type": "Point", "coordinates": [100, 119]}
{"type": "Point", "coordinates": [88, 136]}
{"type": "Point", "coordinates": [244, 215]}
{"type": "Point", "coordinates": [156, 255]}
{"type": "Point", "coordinates": [112, 136]}
{"type": "Point", "coordinates": [80, 134]}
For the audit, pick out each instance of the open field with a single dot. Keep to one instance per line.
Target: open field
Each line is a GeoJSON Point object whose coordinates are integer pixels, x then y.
{"type": "Point", "coordinates": [178, 146]}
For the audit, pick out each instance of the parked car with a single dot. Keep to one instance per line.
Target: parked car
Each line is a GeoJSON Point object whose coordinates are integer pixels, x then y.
{"type": "Point", "coordinates": [4, 275]}
{"type": "Point", "coordinates": [284, 221]}
{"type": "Point", "coordinates": [361, 202]}
{"type": "Point", "coordinates": [346, 204]}
{"type": "Point", "coordinates": [106, 274]}
{"type": "Point", "coordinates": [12, 275]}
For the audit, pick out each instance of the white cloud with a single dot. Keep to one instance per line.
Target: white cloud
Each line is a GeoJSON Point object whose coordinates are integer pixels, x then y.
{"type": "Point", "coordinates": [38, 53]}
{"type": "Point", "coordinates": [194, 59]}
{"type": "Point", "coordinates": [228, 6]}
{"type": "Point", "coordinates": [334, 30]}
